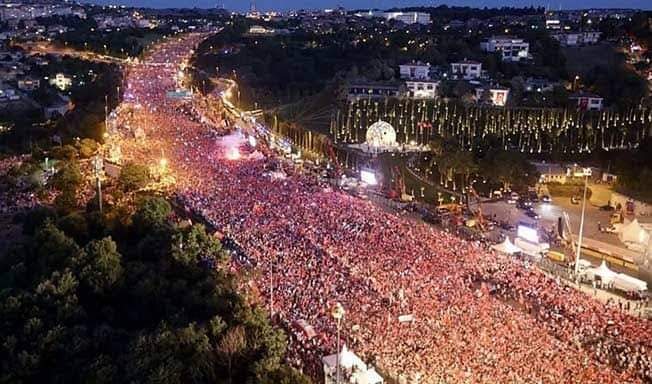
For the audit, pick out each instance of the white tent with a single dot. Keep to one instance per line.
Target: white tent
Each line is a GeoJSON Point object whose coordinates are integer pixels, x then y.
{"type": "Point", "coordinates": [506, 247]}
{"type": "Point", "coordinates": [628, 283]}
{"type": "Point", "coordinates": [606, 275]}
{"type": "Point", "coordinates": [633, 232]}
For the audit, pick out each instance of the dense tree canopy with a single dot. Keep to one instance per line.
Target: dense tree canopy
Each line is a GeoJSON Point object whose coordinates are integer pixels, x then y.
{"type": "Point", "coordinates": [114, 308]}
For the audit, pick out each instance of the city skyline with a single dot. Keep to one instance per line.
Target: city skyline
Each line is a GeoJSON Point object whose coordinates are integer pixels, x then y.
{"type": "Point", "coordinates": [269, 5]}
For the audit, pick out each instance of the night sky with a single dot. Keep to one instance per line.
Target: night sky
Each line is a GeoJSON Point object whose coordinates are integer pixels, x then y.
{"type": "Point", "coordinates": [264, 5]}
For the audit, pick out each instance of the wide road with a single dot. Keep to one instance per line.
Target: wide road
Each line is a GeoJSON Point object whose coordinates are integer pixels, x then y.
{"type": "Point", "coordinates": [420, 303]}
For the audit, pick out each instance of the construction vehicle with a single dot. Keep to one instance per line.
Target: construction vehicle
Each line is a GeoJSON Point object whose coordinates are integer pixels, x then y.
{"type": "Point", "coordinates": [335, 171]}
{"type": "Point", "coordinates": [478, 218]}
{"type": "Point", "coordinates": [396, 187]}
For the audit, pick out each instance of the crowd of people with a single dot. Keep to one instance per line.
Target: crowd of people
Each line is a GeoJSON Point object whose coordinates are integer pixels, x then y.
{"type": "Point", "coordinates": [420, 303]}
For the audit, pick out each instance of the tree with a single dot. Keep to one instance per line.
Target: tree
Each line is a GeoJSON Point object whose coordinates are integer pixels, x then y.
{"type": "Point", "coordinates": [133, 176]}
{"type": "Point", "coordinates": [231, 346]}
{"type": "Point", "coordinates": [194, 245]}
{"type": "Point", "coordinates": [511, 168]}
{"type": "Point", "coordinates": [66, 201]}
{"type": "Point", "coordinates": [68, 177]}
{"type": "Point", "coordinates": [74, 225]}
{"type": "Point", "coordinates": [87, 148]}
{"type": "Point", "coordinates": [100, 266]}
{"type": "Point", "coordinates": [52, 250]}
{"type": "Point", "coordinates": [151, 213]}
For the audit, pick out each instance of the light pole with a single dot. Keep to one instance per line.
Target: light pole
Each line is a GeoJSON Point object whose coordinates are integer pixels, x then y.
{"type": "Point", "coordinates": [337, 311]}
{"type": "Point", "coordinates": [587, 172]}
{"type": "Point", "coordinates": [98, 164]}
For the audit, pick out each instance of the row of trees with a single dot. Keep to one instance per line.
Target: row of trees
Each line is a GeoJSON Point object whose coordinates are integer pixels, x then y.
{"type": "Point", "coordinates": [457, 168]}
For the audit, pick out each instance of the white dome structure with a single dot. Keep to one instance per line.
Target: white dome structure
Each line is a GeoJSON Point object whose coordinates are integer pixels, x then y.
{"type": "Point", "coordinates": [381, 134]}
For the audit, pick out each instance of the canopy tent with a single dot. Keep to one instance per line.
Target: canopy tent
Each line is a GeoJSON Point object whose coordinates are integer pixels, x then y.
{"type": "Point", "coordinates": [633, 232]}
{"type": "Point", "coordinates": [506, 247]}
{"type": "Point", "coordinates": [628, 283]}
{"type": "Point", "coordinates": [605, 274]}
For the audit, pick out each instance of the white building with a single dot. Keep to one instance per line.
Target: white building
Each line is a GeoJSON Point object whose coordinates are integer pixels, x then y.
{"type": "Point", "coordinates": [28, 84]}
{"type": "Point", "coordinates": [587, 101]}
{"type": "Point", "coordinates": [404, 17]}
{"type": "Point", "coordinates": [352, 369]}
{"type": "Point", "coordinates": [422, 89]}
{"type": "Point", "coordinates": [415, 70]}
{"type": "Point", "coordinates": [259, 30]}
{"type": "Point", "coordinates": [467, 69]}
{"type": "Point", "coordinates": [573, 39]}
{"type": "Point", "coordinates": [409, 17]}
{"type": "Point", "coordinates": [497, 97]}
{"type": "Point", "coordinates": [510, 48]}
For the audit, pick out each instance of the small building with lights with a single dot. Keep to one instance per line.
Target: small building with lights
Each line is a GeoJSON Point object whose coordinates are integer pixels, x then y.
{"type": "Point", "coordinates": [467, 69]}
{"type": "Point", "coordinates": [492, 94]}
{"type": "Point", "coordinates": [510, 48]}
{"type": "Point", "coordinates": [422, 89]}
{"type": "Point", "coordinates": [586, 101]}
{"type": "Point", "coordinates": [361, 90]}
{"type": "Point", "coordinates": [415, 70]}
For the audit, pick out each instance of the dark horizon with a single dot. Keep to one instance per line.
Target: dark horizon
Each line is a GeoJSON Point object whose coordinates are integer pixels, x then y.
{"type": "Point", "coordinates": [271, 5]}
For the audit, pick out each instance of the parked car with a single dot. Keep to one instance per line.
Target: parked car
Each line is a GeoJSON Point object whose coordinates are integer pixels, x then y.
{"type": "Point", "coordinates": [546, 199]}
{"type": "Point", "coordinates": [607, 208]}
{"type": "Point", "coordinates": [531, 213]}
{"type": "Point", "coordinates": [507, 226]}
{"type": "Point", "coordinates": [575, 200]}
{"type": "Point", "coordinates": [524, 204]}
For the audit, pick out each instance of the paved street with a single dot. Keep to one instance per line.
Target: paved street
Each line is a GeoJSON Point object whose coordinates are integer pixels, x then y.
{"type": "Point", "coordinates": [550, 213]}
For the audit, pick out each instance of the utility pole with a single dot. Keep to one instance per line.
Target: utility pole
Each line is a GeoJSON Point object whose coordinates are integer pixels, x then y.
{"type": "Point", "coordinates": [579, 239]}
{"type": "Point", "coordinates": [98, 165]}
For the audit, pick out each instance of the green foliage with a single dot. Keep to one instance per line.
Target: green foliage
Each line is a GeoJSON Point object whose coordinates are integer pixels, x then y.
{"type": "Point", "coordinates": [133, 176]}
{"type": "Point", "coordinates": [511, 168]}
{"type": "Point", "coordinates": [68, 178]}
{"type": "Point", "coordinates": [36, 217]}
{"type": "Point", "coordinates": [151, 213]}
{"type": "Point", "coordinates": [65, 202]}
{"type": "Point", "coordinates": [139, 309]}
{"type": "Point", "coordinates": [87, 148]}
{"type": "Point", "coordinates": [75, 226]}
{"type": "Point", "coordinates": [100, 266]}
{"type": "Point", "coordinates": [52, 250]}
{"type": "Point", "coordinates": [194, 244]}
{"type": "Point", "coordinates": [568, 189]}
{"type": "Point", "coordinates": [66, 152]}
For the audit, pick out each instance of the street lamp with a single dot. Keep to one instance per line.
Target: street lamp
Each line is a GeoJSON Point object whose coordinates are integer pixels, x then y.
{"type": "Point", "coordinates": [337, 311]}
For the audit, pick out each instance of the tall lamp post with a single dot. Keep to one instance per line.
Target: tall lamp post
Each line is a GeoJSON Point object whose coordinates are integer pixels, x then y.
{"type": "Point", "coordinates": [587, 173]}
{"type": "Point", "coordinates": [98, 164]}
{"type": "Point", "coordinates": [337, 311]}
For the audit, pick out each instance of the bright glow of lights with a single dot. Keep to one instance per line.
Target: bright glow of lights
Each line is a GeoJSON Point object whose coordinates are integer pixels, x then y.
{"type": "Point", "coordinates": [233, 154]}
{"type": "Point", "coordinates": [252, 141]}
{"type": "Point", "coordinates": [368, 177]}
{"type": "Point", "coordinates": [528, 233]}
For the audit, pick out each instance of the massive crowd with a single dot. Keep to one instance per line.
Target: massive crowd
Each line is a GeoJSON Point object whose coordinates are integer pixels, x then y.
{"type": "Point", "coordinates": [420, 303]}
